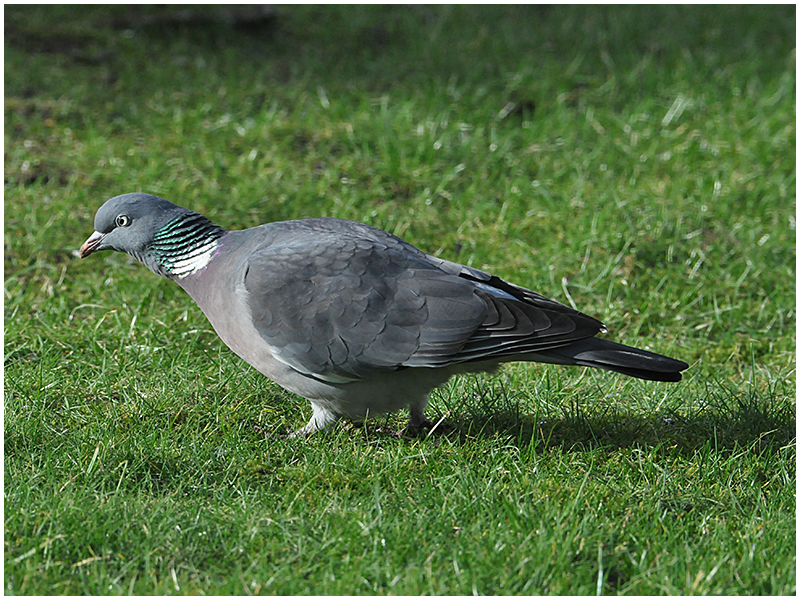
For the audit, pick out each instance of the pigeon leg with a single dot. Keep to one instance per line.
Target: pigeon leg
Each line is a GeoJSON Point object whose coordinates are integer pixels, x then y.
{"type": "Point", "coordinates": [321, 418]}
{"type": "Point", "coordinates": [417, 420]}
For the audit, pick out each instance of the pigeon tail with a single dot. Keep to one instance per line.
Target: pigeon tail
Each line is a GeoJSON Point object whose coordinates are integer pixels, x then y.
{"type": "Point", "coordinates": [611, 356]}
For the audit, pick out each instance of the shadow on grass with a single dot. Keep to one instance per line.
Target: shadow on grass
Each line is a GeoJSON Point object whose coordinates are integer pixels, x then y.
{"type": "Point", "coordinates": [741, 421]}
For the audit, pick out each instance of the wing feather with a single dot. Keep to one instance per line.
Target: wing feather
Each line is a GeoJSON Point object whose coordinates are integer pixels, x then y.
{"type": "Point", "coordinates": [342, 301]}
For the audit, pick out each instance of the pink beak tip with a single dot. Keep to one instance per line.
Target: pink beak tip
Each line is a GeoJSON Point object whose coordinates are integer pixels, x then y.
{"type": "Point", "coordinates": [91, 244]}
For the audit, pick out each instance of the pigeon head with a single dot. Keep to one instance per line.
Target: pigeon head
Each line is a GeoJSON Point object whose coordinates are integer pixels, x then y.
{"type": "Point", "coordinates": [154, 231]}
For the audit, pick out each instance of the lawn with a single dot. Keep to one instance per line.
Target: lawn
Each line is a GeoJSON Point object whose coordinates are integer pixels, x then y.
{"type": "Point", "coordinates": [637, 161]}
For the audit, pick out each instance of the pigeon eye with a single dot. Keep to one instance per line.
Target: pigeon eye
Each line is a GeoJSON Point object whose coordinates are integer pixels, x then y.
{"type": "Point", "coordinates": [123, 221]}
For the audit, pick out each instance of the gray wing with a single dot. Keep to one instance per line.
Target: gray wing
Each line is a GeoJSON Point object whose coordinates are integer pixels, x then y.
{"type": "Point", "coordinates": [340, 305]}
{"type": "Point", "coordinates": [519, 320]}
{"type": "Point", "coordinates": [341, 301]}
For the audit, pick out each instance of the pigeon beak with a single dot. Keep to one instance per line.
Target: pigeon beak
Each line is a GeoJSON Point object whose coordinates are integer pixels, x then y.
{"type": "Point", "coordinates": [91, 244]}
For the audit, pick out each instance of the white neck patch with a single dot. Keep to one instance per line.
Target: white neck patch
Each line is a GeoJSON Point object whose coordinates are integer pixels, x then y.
{"type": "Point", "coordinates": [193, 261]}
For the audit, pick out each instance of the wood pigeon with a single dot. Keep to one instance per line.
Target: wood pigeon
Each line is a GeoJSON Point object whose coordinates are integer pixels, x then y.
{"type": "Point", "coordinates": [351, 317]}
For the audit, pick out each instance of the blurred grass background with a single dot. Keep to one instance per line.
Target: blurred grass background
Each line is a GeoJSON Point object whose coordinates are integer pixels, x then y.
{"type": "Point", "coordinates": [637, 160]}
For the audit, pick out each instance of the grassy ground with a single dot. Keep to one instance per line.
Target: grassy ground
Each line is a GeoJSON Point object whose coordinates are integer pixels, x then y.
{"type": "Point", "coordinates": [639, 161]}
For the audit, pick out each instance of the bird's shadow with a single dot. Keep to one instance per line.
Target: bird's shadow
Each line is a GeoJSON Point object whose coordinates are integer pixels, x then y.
{"type": "Point", "coordinates": [742, 422]}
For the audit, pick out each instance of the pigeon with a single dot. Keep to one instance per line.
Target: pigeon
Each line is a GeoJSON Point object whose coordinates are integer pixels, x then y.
{"type": "Point", "coordinates": [353, 318]}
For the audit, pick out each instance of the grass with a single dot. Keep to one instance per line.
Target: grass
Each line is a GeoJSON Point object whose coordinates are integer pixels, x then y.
{"type": "Point", "coordinates": [639, 161]}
